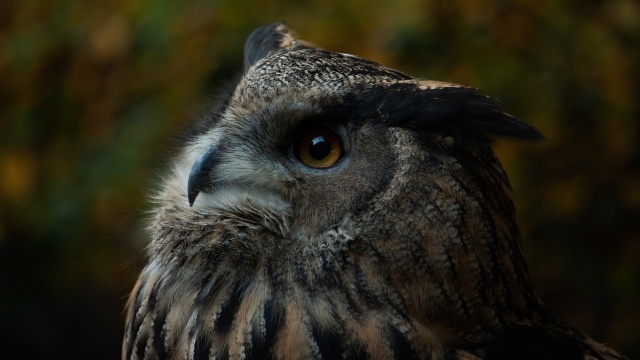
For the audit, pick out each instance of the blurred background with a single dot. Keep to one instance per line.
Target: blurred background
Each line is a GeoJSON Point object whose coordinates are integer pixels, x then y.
{"type": "Point", "coordinates": [91, 94]}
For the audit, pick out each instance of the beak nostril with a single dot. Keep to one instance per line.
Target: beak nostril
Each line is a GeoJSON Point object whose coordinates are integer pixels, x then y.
{"type": "Point", "coordinates": [199, 177]}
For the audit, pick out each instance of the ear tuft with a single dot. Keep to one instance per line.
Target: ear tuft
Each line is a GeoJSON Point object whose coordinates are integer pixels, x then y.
{"type": "Point", "coordinates": [267, 39]}
{"type": "Point", "coordinates": [446, 109]}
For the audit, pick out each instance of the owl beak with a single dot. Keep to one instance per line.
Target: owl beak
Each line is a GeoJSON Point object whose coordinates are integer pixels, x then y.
{"type": "Point", "coordinates": [200, 175]}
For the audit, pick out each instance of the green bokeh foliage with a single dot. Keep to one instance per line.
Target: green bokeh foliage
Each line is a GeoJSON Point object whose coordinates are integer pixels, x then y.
{"type": "Point", "coordinates": [91, 94]}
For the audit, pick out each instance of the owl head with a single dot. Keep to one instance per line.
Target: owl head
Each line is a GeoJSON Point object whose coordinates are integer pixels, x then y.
{"type": "Point", "coordinates": [309, 135]}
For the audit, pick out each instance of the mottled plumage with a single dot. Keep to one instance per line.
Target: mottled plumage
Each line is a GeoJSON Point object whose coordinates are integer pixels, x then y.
{"type": "Point", "coordinates": [404, 246]}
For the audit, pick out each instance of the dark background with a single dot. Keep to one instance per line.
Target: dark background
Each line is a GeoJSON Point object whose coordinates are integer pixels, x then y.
{"type": "Point", "coordinates": [91, 93]}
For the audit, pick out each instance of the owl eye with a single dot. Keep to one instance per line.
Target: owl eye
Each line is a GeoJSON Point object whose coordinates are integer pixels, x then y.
{"type": "Point", "coordinates": [319, 147]}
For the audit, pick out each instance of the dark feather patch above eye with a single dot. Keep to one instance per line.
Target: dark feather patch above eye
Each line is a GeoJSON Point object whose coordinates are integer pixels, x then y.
{"type": "Point", "coordinates": [449, 110]}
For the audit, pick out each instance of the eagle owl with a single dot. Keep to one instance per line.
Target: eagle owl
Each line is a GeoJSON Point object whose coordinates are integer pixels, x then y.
{"type": "Point", "coordinates": [332, 208]}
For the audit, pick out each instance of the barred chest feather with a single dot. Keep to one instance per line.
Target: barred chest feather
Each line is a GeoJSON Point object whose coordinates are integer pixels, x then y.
{"type": "Point", "coordinates": [216, 293]}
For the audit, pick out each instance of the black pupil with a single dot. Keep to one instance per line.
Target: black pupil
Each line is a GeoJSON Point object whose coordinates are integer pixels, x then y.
{"type": "Point", "coordinates": [319, 148]}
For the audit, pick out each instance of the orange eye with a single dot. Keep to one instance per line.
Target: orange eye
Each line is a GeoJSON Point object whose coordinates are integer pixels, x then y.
{"type": "Point", "coordinates": [319, 147]}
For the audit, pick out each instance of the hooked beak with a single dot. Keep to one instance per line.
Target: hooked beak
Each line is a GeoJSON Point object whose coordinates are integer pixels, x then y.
{"type": "Point", "coordinates": [200, 175]}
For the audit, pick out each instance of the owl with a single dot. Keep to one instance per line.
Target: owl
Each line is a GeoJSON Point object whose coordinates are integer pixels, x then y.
{"type": "Point", "coordinates": [332, 208]}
